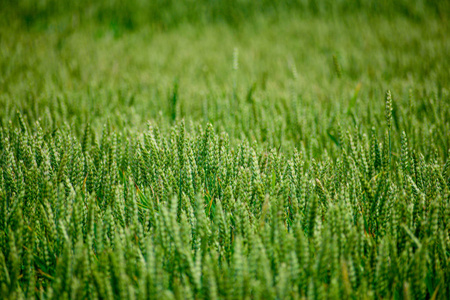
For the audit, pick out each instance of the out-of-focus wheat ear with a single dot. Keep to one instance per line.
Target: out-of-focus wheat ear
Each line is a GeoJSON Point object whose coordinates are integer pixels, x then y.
{"type": "Point", "coordinates": [388, 108]}
{"type": "Point", "coordinates": [388, 115]}
{"type": "Point", "coordinates": [337, 66]}
{"type": "Point", "coordinates": [235, 70]}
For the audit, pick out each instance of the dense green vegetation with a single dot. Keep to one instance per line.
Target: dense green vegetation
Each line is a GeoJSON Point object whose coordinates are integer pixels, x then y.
{"type": "Point", "coordinates": [224, 149]}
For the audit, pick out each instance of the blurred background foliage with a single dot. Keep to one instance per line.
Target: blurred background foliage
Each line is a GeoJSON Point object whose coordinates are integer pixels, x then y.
{"type": "Point", "coordinates": [165, 14]}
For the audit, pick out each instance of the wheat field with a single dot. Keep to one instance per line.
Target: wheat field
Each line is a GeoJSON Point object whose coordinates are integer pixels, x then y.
{"type": "Point", "coordinates": [224, 149]}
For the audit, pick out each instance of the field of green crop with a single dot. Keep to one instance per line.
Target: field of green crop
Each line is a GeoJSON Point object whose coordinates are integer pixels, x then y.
{"type": "Point", "coordinates": [234, 149]}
